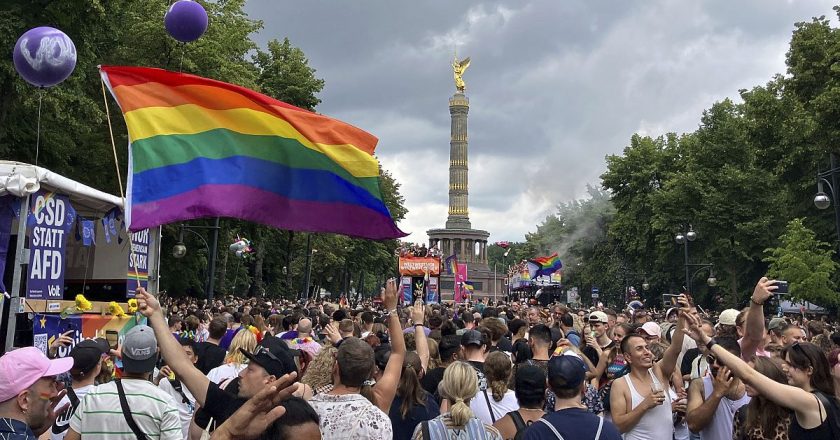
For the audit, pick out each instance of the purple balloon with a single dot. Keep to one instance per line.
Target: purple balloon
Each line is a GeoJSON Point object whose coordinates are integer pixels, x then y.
{"type": "Point", "coordinates": [186, 21]}
{"type": "Point", "coordinates": [44, 56]}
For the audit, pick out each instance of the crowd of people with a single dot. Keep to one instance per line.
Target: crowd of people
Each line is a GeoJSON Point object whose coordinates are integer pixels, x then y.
{"type": "Point", "coordinates": [248, 368]}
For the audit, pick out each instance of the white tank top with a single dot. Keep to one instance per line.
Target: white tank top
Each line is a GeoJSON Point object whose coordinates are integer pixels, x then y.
{"type": "Point", "coordinates": [657, 423]}
{"type": "Point", "coordinates": [722, 421]}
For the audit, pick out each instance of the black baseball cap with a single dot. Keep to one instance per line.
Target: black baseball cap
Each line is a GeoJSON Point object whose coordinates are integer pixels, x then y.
{"type": "Point", "coordinates": [471, 337]}
{"type": "Point", "coordinates": [274, 355]}
{"type": "Point", "coordinates": [87, 354]}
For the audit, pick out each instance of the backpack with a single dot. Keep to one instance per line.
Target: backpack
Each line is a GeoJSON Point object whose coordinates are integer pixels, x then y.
{"type": "Point", "coordinates": [519, 423]}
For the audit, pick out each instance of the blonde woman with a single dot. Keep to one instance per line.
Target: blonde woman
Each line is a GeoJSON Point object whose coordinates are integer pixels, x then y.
{"type": "Point", "coordinates": [235, 360]}
{"type": "Point", "coordinates": [458, 387]}
{"type": "Point", "coordinates": [319, 372]}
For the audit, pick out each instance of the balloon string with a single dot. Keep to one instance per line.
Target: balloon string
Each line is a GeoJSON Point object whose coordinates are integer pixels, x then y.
{"type": "Point", "coordinates": [119, 179]}
{"type": "Point", "coordinates": [181, 64]}
{"type": "Point", "coordinates": [38, 126]}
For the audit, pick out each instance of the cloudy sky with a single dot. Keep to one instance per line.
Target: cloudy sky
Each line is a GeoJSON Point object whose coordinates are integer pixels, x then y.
{"type": "Point", "coordinates": [554, 86]}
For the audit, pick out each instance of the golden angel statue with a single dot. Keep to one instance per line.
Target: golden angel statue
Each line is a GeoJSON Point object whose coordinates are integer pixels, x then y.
{"type": "Point", "coordinates": [458, 68]}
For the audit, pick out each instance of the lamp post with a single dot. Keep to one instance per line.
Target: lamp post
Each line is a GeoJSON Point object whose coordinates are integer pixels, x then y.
{"type": "Point", "coordinates": [683, 239]}
{"type": "Point", "coordinates": [823, 200]}
{"type": "Point", "coordinates": [308, 272]}
{"type": "Point", "coordinates": [711, 281]}
{"type": "Point", "coordinates": [180, 250]}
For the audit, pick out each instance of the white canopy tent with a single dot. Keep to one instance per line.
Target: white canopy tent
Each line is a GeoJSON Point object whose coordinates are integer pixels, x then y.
{"type": "Point", "coordinates": [21, 180]}
{"type": "Point", "coordinates": [791, 307]}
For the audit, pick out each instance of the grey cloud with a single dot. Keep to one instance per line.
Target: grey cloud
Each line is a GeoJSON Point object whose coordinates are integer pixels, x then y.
{"type": "Point", "coordinates": [554, 85]}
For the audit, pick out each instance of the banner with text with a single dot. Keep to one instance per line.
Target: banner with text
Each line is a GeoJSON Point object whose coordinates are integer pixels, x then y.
{"type": "Point", "coordinates": [50, 218]}
{"type": "Point", "coordinates": [46, 328]}
{"type": "Point", "coordinates": [432, 295]}
{"type": "Point", "coordinates": [406, 290]}
{"type": "Point", "coordinates": [138, 262]}
{"type": "Point", "coordinates": [461, 294]}
{"type": "Point", "coordinates": [419, 266]}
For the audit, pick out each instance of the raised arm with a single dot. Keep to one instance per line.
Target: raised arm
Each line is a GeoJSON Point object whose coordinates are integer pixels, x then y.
{"type": "Point", "coordinates": [754, 326]}
{"type": "Point", "coordinates": [418, 316]}
{"type": "Point", "coordinates": [386, 388]}
{"type": "Point", "coordinates": [668, 362]}
{"type": "Point", "coordinates": [177, 360]}
{"type": "Point", "coordinates": [804, 403]}
{"type": "Point", "coordinates": [700, 410]}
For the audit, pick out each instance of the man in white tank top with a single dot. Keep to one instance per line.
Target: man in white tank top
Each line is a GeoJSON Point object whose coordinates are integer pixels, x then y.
{"type": "Point", "coordinates": [640, 403]}
{"type": "Point", "coordinates": [714, 398]}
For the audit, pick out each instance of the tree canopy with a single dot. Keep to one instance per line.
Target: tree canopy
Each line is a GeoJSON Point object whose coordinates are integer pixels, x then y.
{"type": "Point", "coordinates": [744, 181]}
{"type": "Point", "coordinates": [75, 140]}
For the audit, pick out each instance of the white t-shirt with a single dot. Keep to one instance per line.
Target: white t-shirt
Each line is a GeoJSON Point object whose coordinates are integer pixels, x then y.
{"type": "Point", "coordinates": [100, 414]}
{"type": "Point", "coordinates": [185, 410]}
{"type": "Point", "coordinates": [224, 372]}
{"type": "Point", "coordinates": [478, 404]}
{"type": "Point", "coordinates": [62, 423]}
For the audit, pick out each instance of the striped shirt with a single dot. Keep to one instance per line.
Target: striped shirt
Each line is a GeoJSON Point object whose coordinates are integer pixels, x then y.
{"type": "Point", "coordinates": [100, 415]}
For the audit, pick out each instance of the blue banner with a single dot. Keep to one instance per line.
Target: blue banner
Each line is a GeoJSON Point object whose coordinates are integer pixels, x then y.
{"type": "Point", "coordinates": [51, 216]}
{"type": "Point", "coordinates": [138, 262]}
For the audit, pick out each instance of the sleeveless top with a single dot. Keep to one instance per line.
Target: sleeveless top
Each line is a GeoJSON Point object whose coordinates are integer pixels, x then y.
{"type": "Point", "coordinates": [821, 432]}
{"type": "Point", "coordinates": [721, 425]}
{"type": "Point", "coordinates": [656, 423]}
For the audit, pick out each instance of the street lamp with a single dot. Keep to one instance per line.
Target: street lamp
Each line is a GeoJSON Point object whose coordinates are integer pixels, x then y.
{"type": "Point", "coordinates": [308, 272]}
{"type": "Point", "coordinates": [683, 239]}
{"type": "Point", "coordinates": [823, 200]}
{"type": "Point", "coordinates": [180, 250]}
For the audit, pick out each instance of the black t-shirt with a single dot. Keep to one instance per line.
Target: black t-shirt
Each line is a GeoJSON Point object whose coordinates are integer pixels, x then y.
{"type": "Point", "coordinates": [219, 404]}
{"type": "Point", "coordinates": [209, 356]}
{"type": "Point", "coordinates": [689, 357]}
{"type": "Point", "coordinates": [505, 345]}
{"type": "Point", "coordinates": [431, 380]}
{"type": "Point", "coordinates": [404, 427]}
{"type": "Point", "coordinates": [591, 354]}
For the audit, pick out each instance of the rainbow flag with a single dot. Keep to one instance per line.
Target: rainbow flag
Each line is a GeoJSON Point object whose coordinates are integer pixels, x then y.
{"type": "Point", "coordinates": [545, 265]}
{"type": "Point", "coordinates": [204, 148]}
{"type": "Point", "coordinates": [451, 264]}
{"type": "Point", "coordinates": [469, 286]}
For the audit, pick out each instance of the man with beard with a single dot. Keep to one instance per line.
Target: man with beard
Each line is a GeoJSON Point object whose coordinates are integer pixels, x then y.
{"type": "Point", "coordinates": [28, 391]}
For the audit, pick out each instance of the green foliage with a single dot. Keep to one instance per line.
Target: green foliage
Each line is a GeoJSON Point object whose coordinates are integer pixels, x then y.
{"type": "Point", "coordinates": [737, 180]}
{"type": "Point", "coordinates": [285, 74]}
{"type": "Point", "coordinates": [75, 138]}
{"type": "Point", "coordinates": [805, 263]}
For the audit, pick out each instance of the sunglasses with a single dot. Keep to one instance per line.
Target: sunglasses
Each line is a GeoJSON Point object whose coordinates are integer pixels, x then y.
{"type": "Point", "coordinates": [262, 350]}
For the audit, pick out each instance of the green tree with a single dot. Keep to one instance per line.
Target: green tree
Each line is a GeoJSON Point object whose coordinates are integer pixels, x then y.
{"type": "Point", "coordinates": [806, 264]}
{"type": "Point", "coordinates": [285, 74]}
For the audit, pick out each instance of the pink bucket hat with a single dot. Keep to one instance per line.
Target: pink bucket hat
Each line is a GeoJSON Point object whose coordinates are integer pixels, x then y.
{"type": "Point", "coordinates": [21, 368]}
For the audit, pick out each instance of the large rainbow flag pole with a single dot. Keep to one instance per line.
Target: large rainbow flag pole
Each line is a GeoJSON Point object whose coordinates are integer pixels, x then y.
{"type": "Point", "coordinates": [205, 148]}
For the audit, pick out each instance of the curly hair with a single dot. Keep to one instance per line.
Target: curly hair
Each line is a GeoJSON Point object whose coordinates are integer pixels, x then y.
{"type": "Point", "coordinates": [319, 371]}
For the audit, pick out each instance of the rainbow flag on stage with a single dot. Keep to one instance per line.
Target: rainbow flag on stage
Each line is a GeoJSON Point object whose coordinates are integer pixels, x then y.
{"type": "Point", "coordinates": [204, 148]}
{"type": "Point", "coordinates": [469, 286]}
{"type": "Point", "coordinates": [544, 265]}
{"type": "Point", "coordinates": [451, 264]}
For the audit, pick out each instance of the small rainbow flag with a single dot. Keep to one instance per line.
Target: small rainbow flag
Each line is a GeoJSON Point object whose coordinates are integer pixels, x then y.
{"type": "Point", "coordinates": [205, 148]}
{"type": "Point", "coordinates": [451, 264]}
{"type": "Point", "coordinates": [469, 286]}
{"type": "Point", "coordinates": [546, 265]}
